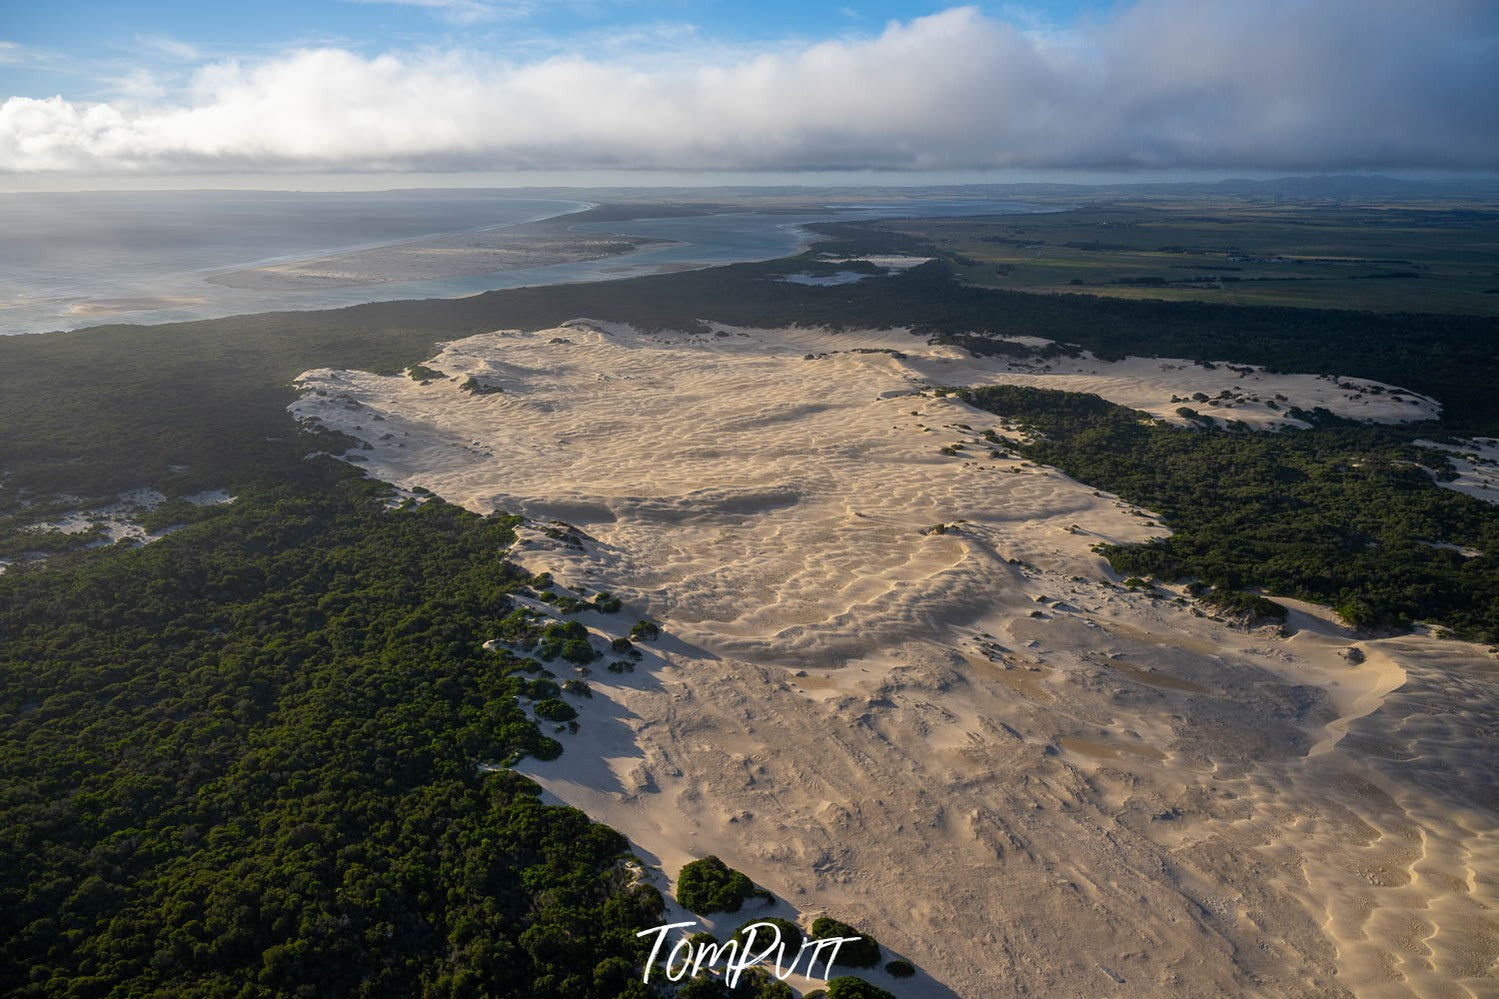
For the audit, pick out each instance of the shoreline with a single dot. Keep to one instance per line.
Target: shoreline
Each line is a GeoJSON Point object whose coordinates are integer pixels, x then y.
{"type": "Point", "coordinates": [376, 245]}
{"type": "Point", "coordinates": [190, 293]}
{"type": "Point", "coordinates": [667, 236]}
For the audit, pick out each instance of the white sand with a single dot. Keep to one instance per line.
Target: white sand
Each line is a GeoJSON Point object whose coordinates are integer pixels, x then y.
{"type": "Point", "coordinates": [973, 744]}
{"type": "Point", "coordinates": [1477, 465]}
{"type": "Point", "coordinates": [117, 519]}
{"type": "Point", "coordinates": [826, 280]}
{"type": "Point", "coordinates": [889, 261]}
{"type": "Point", "coordinates": [1240, 392]}
{"type": "Point", "coordinates": [891, 265]}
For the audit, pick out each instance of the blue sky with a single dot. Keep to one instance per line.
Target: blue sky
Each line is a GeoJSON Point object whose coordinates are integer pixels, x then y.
{"type": "Point", "coordinates": [730, 90]}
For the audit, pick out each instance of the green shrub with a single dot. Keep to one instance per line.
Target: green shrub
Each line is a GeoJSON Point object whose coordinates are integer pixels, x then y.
{"type": "Point", "coordinates": [569, 640]}
{"type": "Point", "coordinates": [1249, 605]}
{"type": "Point", "coordinates": [422, 373]}
{"type": "Point", "coordinates": [758, 983]}
{"type": "Point", "coordinates": [791, 934]}
{"type": "Point", "coordinates": [710, 885]}
{"type": "Point", "coordinates": [848, 987]}
{"type": "Point", "coordinates": [540, 689]}
{"type": "Point", "coordinates": [704, 986]}
{"type": "Point", "coordinates": [645, 630]}
{"type": "Point", "coordinates": [477, 387]}
{"type": "Point", "coordinates": [861, 953]}
{"type": "Point", "coordinates": [553, 709]}
{"type": "Point", "coordinates": [899, 968]}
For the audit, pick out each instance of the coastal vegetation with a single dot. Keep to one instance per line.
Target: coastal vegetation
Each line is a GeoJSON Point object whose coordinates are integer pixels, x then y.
{"type": "Point", "coordinates": [849, 987]}
{"type": "Point", "coordinates": [709, 885]}
{"type": "Point", "coordinates": [900, 968]}
{"type": "Point", "coordinates": [423, 374]}
{"type": "Point", "coordinates": [755, 983]}
{"type": "Point", "coordinates": [791, 934]}
{"type": "Point", "coordinates": [861, 953]}
{"type": "Point", "coordinates": [1345, 515]}
{"type": "Point", "coordinates": [472, 384]}
{"type": "Point", "coordinates": [246, 760]}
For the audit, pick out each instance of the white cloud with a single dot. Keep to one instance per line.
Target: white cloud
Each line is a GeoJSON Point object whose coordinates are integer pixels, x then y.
{"type": "Point", "coordinates": [138, 87]}
{"type": "Point", "coordinates": [167, 48]}
{"type": "Point", "coordinates": [1279, 84]}
{"type": "Point", "coordinates": [466, 11]}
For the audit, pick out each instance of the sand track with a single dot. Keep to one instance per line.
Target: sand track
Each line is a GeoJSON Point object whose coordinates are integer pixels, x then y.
{"type": "Point", "coordinates": [970, 741]}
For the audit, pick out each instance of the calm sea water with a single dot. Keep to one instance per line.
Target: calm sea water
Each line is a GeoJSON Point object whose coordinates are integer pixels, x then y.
{"type": "Point", "coordinates": [61, 252]}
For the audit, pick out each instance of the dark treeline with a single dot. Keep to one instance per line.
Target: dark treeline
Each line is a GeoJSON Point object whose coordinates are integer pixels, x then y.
{"type": "Point", "coordinates": [1346, 516]}
{"type": "Point", "coordinates": [242, 761]}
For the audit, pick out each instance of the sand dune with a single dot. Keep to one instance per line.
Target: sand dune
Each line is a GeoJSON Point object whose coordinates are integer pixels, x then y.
{"type": "Point", "coordinates": [970, 741]}
{"type": "Point", "coordinates": [1477, 465]}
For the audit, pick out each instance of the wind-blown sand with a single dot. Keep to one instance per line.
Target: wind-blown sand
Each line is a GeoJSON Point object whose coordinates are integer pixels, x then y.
{"type": "Point", "coordinates": [972, 743]}
{"type": "Point", "coordinates": [1477, 465]}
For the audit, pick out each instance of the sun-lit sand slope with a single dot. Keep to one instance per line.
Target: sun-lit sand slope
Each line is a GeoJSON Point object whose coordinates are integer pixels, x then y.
{"type": "Point", "coordinates": [971, 742]}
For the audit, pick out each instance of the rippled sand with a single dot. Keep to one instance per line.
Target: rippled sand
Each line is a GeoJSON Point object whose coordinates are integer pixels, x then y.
{"type": "Point", "coordinates": [971, 742]}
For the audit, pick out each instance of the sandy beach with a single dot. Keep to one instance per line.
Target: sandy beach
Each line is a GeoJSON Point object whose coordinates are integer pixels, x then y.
{"type": "Point", "coordinates": [900, 687]}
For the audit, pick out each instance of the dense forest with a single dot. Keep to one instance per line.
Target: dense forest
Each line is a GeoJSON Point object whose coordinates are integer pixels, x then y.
{"type": "Point", "coordinates": [244, 760]}
{"type": "Point", "coordinates": [1343, 515]}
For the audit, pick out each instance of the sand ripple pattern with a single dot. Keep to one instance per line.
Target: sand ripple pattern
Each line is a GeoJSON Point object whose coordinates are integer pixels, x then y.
{"type": "Point", "coordinates": [772, 506]}
{"type": "Point", "coordinates": [972, 742]}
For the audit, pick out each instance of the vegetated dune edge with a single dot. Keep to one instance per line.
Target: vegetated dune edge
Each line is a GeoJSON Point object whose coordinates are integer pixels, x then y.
{"type": "Point", "coordinates": [898, 686]}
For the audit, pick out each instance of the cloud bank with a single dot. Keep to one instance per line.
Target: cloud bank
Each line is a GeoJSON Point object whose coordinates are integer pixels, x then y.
{"type": "Point", "coordinates": [1276, 84]}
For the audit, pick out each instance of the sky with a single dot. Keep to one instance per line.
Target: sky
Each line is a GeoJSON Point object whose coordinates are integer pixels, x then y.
{"type": "Point", "coordinates": [163, 90]}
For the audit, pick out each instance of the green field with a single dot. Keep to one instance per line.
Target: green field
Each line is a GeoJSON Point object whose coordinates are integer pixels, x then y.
{"type": "Point", "coordinates": [1427, 257]}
